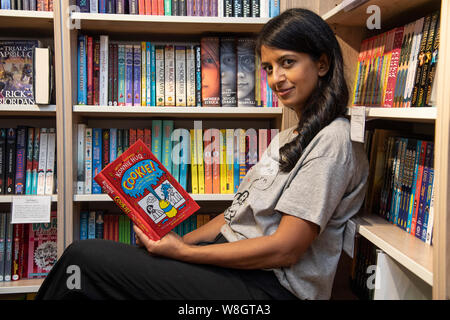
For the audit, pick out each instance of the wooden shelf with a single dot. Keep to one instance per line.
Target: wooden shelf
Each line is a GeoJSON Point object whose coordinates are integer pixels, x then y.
{"type": "Point", "coordinates": [196, 197]}
{"type": "Point", "coordinates": [412, 253]}
{"type": "Point", "coordinates": [139, 24]}
{"type": "Point", "coordinates": [23, 19]}
{"type": "Point", "coordinates": [178, 112]}
{"type": "Point", "coordinates": [8, 198]}
{"type": "Point", "coordinates": [427, 114]}
{"type": "Point", "coordinates": [32, 110]}
{"type": "Point", "coordinates": [389, 9]}
{"type": "Point", "coordinates": [20, 286]}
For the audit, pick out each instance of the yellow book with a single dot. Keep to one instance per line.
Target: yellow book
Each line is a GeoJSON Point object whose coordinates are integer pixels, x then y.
{"type": "Point", "coordinates": [143, 73]}
{"type": "Point", "coordinates": [223, 161]}
{"type": "Point", "coordinates": [230, 160]}
{"type": "Point", "coordinates": [194, 175]}
{"type": "Point", "coordinates": [200, 166]}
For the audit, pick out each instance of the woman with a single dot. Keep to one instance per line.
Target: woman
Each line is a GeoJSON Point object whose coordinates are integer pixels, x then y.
{"type": "Point", "coordinates": [283, 239]}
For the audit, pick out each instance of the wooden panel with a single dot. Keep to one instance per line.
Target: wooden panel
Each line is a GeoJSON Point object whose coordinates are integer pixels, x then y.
{"type": "Point", "coordinates": [441, 285]}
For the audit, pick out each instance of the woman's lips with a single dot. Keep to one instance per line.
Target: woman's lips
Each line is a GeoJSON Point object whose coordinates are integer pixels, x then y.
{"type": "Point", "coordinates": [284, 92]}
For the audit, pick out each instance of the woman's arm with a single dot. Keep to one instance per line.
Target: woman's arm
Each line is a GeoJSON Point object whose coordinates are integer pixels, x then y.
{"type": "Point", "coordinates": [281, 249]}
{"type": "Point", "coordinates": [206, 232]}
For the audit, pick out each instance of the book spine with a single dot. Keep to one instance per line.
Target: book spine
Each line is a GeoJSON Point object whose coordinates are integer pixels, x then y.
{"type": "Point", "coordinates": [169, 76]}
{"type": "Point", "coordinates": [200, 161]}
{"type": "Point", "coordinates": [242, 150]}
{"type": "Point", "coordinates": [29, 165]}
{"type": "Point", "coordinates": [2, 245]}
{"type": "Point", "coordinates": [433, 67]}
{"type": "Point", "coordinates": [121, 75]}
{"type": "Point", "coordinates": [50, 166]}
{"type": "Point", "coordinates": [228, 8]}
{"type": "Point", "coordinates": [112, 144]}
{"type": "Point", "coordinates": [80, 157]}
{"type": "Point", "coordinates": [157, 138]}
{"type": "Point", "coordinates": [207, 140]}
{"type": "Point", "coordinates": [228, 71]}
{"type": "Point", "coordinates": [149, 83]}
{"type": "Point", "coordinates": [426, 211]}
{"type": "Point", "coordinates": [237, 8]}
{"type": "Point", "coordinates": [184, 157]}
{"type": "Point", "coordinates": [10, 160]}
{"type": "Point", "coordinates": [210, 71]}
{"type": "Point", "coordinates": [2, 160]}
{"type": "Point", "coordinates": [96, 158]}
{"type": "Point", "coordinates": [180, 76]}
{"type": "Point", "coordinates": [120, 6]}
{"type": "Point", "coordinates": [422, 150]}
{"type": "Point", "coordinates": [198, 76]}
{"type": "Point", "coordinates": [167, 129]}
{"type": "Point", "coordinates": [429, 234]}
{"type": "Point", "coordinates": [144, 73]}
{"type": "Point", "coordinates": [194, 175]}
{"type": "Point", "coordinates": [236, 167]}
{"type": "Point", "coordinates": [21, 149]}
{"type": "Point", "coordinates": [17, 239]}
{"type": "Point", "coordinates": [390, 89]}
{"type": "Point", "coordinates": [246, 65]}
{"type": "Point", "coordinates": [153, 74]}
{"type": "Point", "coordinates": [223, 161]}
{"type": "Point", "coordinates": [84, 221]}
{"type": "Point", "coordinates": [190, 7]}
{"type": "Point", "coordinates": [105, 147]}
{"type": "Point", "coordinates": [129, 74]}
{"type": "Point", "coordinates": [8, 248]}
{"type": "Point", "coordinates": [90, 71]}
{"type": "Point", "coordinates": [148, 7]}
{"type": "Point", "coordinates": [115, 74]}
{"type": "Point", "coordinates": [137, 75]}
{"type": "Point", "coordinates": [99, 225]}
{"type": "Point", "coordinates": [110, 74]}
{"type": "Point", "coordinates": [36, 153]}
{"type": "Point", "coordinates": [167, 7]}
{"type": "Point", "coordinates": [82, 72]}
{"type": "Point", "coordinates": [42, 168]}
{"type": "Point", "coordinates": [88, 161]}
{"type": "Point", "coordinates": [230, 160]}
{"type": "Point", "coordinates": [190, 76]}
{"type": "Point", "coordinates": [160, 72]}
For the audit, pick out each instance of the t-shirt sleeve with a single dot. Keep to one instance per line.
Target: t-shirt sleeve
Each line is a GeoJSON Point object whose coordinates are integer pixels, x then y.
{"type": "Point", "coordinates": [315, 191]}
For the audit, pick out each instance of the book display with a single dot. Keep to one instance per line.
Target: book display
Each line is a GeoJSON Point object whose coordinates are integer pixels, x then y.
{"type": "Point", "coordinates": [164, 75]}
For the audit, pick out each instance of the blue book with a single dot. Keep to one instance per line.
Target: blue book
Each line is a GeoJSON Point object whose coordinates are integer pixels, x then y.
{"type": "Point", "coordinates": [6, 4]}
{"type": "Point", "coordinates": [21, 148]}
{"type": "Point", "coordinates": [184, 157]}
{"type": "Point", "coordinates": [84, 225]}
{"type": "Point", "coordinates": [198, 76]}
{"type": "Point", "coordinates": [112, 144]}
{"type": "Point", "coordinates": [148, 73]}
{"type": "Point", "coordinates": [157, 139]}
{"type": "Point", "coordinates": [121, 75]}
{"type": "Point", "coordinates": [99, 225]}
{"type": "Point", "coordinates": [237, 166]}
{"type": "Point", "coordinates": [96, 158]}
{"type": "Point", "coordinates": [414, 186]}
{"type": "Point", "coordinates": [83, 5]}
{"type": "Point", "coordinates": [102, 6]}
{"type": "Point", "coordinates": [167, 127]}
{"type": "Point", "coordinates": [91, 225]}
{"type": "Point", "coordinates": [136, 75]}
{"type": "Point", "coordinates": [82, 70]}
{"type": "Point", "coordinates": [274, 8]}
{"type": "Point", "coordinates": [28, 174]}
{"type": "Point", "coordinates": [153, 75]}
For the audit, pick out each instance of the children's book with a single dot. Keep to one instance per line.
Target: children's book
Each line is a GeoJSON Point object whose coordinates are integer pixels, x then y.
{"type": "Point", "coordinates": [143, 188]}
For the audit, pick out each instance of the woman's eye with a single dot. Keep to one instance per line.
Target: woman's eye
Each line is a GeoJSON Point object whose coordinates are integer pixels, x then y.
{"type": "Point", "coordinates": [287, 62]}
{"type": "Point", "coordinates": [268, 69]}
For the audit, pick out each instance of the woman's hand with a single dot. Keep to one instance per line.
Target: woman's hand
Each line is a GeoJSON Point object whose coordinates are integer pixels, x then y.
{"type": "Point", "coordinates": [171, 245]}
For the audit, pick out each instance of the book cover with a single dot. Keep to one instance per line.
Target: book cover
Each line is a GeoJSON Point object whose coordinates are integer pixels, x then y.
{"type": "Point", "coordinates": [190, 76]}
{"type": "Point", "coordinates": [88, 162]}
{"type": "Point", "coordinates": [194, 166]}
{"type": "Point", "coordinates": [159, 75]}
{"type": "Point", "coordinates": [50, 166]}
{"type": "Point", "coordinates": [16, 71]}
{"type": "Point", "coordinates": [210, 71]}
{"type": "Point", "coordinates": [180, 76]}
{"type": "Point", "coordinates": [246, 72]}
{"type": "Point", "coordinates": [21, 156]}
{"type": "Point", "coordinates": [10, 174]}
{"type": "Point", "coordinates": [137, 75]}
{"type": "Point", "coordinates": [2, 159]}
{"type": "Point", "coordinates": [157, 138]}
{"type": "Point", "coordinates": [143, 189]}
{"type": "Point", "coordinates": [96, 157]}
{"type": "Point", "coordinates": [129, 75]}
{"type": "Point", "coordinates": [121, 99]}
{"type": "Point", "coordinates": [169, 75]}
{"type": "Point", "coordinates": [228, 71]}
{"type": "Point", "coordinates": [42, 248]}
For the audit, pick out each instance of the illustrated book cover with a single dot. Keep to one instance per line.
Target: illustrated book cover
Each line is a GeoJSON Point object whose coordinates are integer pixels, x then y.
{"type": "Point", "coordinates": [143, 188]}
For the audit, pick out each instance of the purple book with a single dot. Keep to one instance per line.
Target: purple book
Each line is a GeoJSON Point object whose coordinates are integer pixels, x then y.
{"type": "Point", "coordinates": [137, 75]}
{"type": "Point", "coordinates": [190, 7]}
{"type": "Point", "coordinates": [198, 8]}
{"type": "Point", "coordinates": [129, 74]}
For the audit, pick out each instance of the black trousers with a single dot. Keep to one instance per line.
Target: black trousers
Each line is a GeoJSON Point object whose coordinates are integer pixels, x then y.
{"type": "Point", "coordinates": [104, 269]}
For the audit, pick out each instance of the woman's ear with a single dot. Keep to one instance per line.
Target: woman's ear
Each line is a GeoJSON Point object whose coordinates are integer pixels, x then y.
{"type": "Point", "coordinates": [323, 65]}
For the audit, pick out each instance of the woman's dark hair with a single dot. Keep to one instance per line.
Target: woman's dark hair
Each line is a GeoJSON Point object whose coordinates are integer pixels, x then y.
{"type": "Point", "coordinates": [304, 31]}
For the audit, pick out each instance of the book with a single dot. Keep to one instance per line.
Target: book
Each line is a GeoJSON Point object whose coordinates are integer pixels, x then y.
{"type": "Point", "coordinates": [228, 71]}
{"type": "Point", "coordinates": [81, 146]}
{"type": "Point", "coordinates": [180, 76]}
{"type": "Point", "coordinates": [210, 71]}
{"type": "Point", "coordinates": [50, 166]}
{"type": "Point", "coordinates": [21, 156]}
{"type": "Point", "coordinates": [16, 72]}
{"type": "Point", "coordinates": [169, 75]}
{"type": "Point", "coordinates": [246, 68]}
{"type": "Point", "coordinates": [145, 191]}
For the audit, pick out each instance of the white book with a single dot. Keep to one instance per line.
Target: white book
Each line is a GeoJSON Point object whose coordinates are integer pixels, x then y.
{"type": "Point", "coordinates": [169, 75]}
{"type": "Point", "coordinates": [431, 215]}
{"type": "Point", "coordinates": [180, 76]}
{"type": "Point", "coordinates": [412, 67]}
{"type": "Point", "coordinates": [88, 162]}
{"type": "Point", "coordinates": [50, 167]}
{"type": "Point", "coordinates": [264, 8]}
{"type": "Point", "coordinates": [190, 76]}
{"type": "Point", "coordinates": [103, 86]}
{"type": "Point", "coordinates": [159, 61]}
{"type": "Point", "coordinates": [42, 166]}
{"type": "Point", "coordinates": [80, 157]}
{"type": "Point", "coordinates": [93, 6]}
{"type": "Point", "coordinates": [42, 75]}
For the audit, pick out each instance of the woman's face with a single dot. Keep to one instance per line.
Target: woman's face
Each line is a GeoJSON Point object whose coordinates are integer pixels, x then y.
{"type": "Point", "coordinates": [291, 75]}
{"type": "Point", "coordinates": [210, 76]}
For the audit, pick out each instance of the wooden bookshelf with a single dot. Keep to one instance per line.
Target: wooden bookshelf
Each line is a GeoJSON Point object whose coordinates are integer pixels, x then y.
{"type": "Point", "coordinates": [196, 197]}
{"type": "Point", "coordinates": [9, 198]}
{"type": "Point", "coordinates": [30, 20]}
{"type": "Point", "coordinates": [20, 286]}
{"type": "Point", "coordinates": [28, 110]}
{"type": "Point", "coordinates": [401, 114]}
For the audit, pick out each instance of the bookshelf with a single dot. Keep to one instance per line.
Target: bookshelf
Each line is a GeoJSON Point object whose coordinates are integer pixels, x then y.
{"type": "Point", "coordinates": [21, 24]}
{"type": "Point", "coordinates": [428, 263]}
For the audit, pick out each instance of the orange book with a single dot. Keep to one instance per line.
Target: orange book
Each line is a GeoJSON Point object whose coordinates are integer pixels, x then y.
{"type": "Point", "coordinates": [146, 192]}
{"type": "Point", "coordinates": [141, 7]}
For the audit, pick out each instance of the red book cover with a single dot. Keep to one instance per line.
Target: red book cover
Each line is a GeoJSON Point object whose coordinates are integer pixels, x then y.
{"type": "Point", "coordinates": [142, 188]}
{"type": "Point", "coordinates": [141, 7]}
{"type": "Point", "coordinates": [160, 7]}
{"type": "Point", "coordinates": [148, 7]}
{"type": "Point", "coordinates": [396, 50]}
{"type": "Point", "coordinates": [155, 7]}
{"type": "Point", "coordinates": [148, 138]}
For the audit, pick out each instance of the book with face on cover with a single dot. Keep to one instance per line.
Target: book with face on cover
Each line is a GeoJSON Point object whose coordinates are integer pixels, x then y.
{"type": "Point", "coordinates": [144, 189]}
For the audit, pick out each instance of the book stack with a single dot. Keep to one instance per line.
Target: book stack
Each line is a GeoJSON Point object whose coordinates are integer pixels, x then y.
{"type": "Point", "coordinates": [396, 69]}
{"type": "Point", "coordinates": [32, 5]}
{"type": "Point", "coordinates": [210, 161]}
{"type": "Point", "coordinates": [218, 71]}
{"type": "Point", "coordinates": [27, 161]}
{"type": "Point", "coordinates": [26, 250]}
{"type": "Point", "coordinates": [214, 8]}
{"type": "Point", "coordinates": [404, 179]}
{"type": "Point", "coordinates": [118, 227]}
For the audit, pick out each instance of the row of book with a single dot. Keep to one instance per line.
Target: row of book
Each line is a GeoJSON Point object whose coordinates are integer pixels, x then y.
{"type": "Point", "coordinates": [203, 161]}
{"type": "Point", "coordinates": [397, 68]}
{"type": "Point", "coordinates": [403, 182]}
{"type": "Point", "coordinates": [215, 8]}
{"type": "Point", "coordinates": [26, 73]}
{"type": "Point", "coordinates": [218, 71]}
{"type": "Point", "coordinates": [33, 5]}
{"type": "Point", "coordinates": [362, 274]}
{"type": "Point", "coordinates": [119, 227]}
{"type": "Point", "coordinates": [27, 250]}
{"type": "Point", "coordinates": [27, 160]}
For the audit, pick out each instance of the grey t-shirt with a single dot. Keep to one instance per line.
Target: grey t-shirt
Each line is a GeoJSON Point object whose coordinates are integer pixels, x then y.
{"type": "Point", "coordinates": [326, 187]}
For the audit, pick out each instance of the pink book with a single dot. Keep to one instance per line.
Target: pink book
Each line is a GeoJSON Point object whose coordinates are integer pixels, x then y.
{"type": "Point", "coordinates": [262, 142]}
{"type": "Point", "coordinates": [396, 50]}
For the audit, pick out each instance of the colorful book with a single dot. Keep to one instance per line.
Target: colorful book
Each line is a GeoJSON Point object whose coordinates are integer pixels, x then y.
{"type": "Point", "coordinates": [169, 75]}
{"type": "Point", "coordinates": [228, 70]}
{"type": "Point", "coordinates": [137, 75]}
{"type": "Point", "coordinates": [159, 75]}
{"type": "Point", "coordinates": [144, 190]}
{"type": "Point", "coordinates": [246, 66]}
{"type": "Point", "coordinates": [50, 167]}
{"type": "Point", "coordinates": [88, 161]}
{"type": "Point", "coordinates": [194, 162]}
{"type": "Point", "coordinates": [180, 76]}
{"type": "Point", "coordinates": [210, 71]}
{"type": "Point", "coordinates": [190, 76]}
{"type": "Point", "coordinates": [166, 159]}
{"type": "Point", "coordinates": [96, 158]}
{"type": "Point", "coordinates": [157, 138]}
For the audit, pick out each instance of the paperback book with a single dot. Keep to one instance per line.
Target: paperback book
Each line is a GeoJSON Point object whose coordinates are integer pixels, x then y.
{"type": "Point", "coordinates": [144, 190]}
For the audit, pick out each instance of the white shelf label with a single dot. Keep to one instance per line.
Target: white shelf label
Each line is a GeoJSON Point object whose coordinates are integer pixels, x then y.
{"type": "Point", "coordinates": [357, 124]}
{"type": "Point", "coordinates": [31, 209]}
